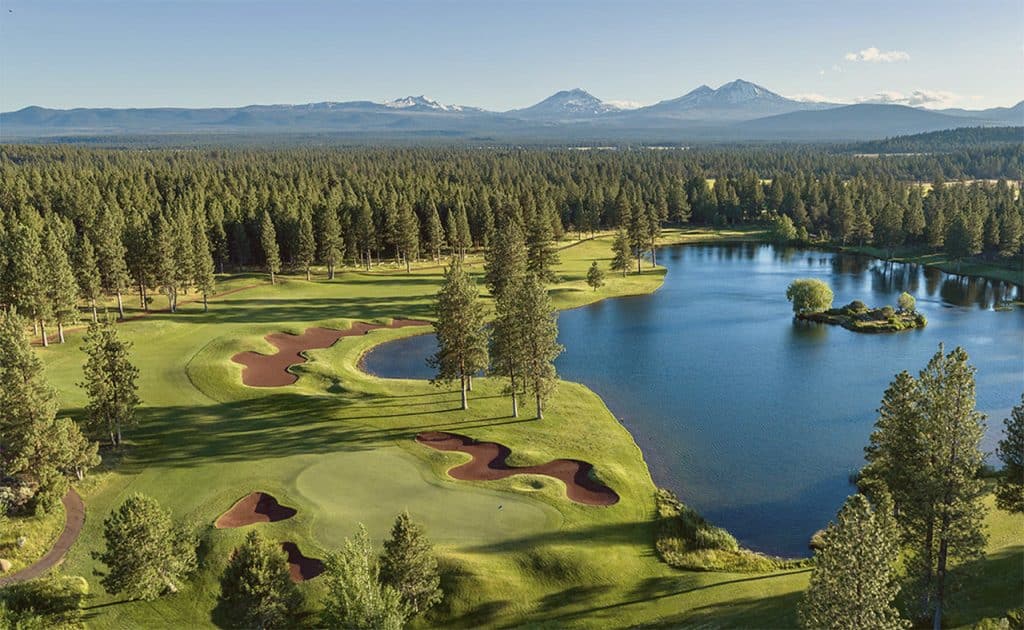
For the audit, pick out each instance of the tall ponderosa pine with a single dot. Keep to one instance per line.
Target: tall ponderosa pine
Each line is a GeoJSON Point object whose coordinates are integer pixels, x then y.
{"type": "Point", "coordinates": [256, 590]}
{"type": "Point", "coordinates": [621, 257]}
{"type": "Point", "coordinates": [1010, 492]}
{"type": "Point", "coordinates": [541, 253]}
{"type": "Point", "coordinates": [268, 240]}
{"type": "Point", "coordinates": [109, 381]}
{"type": "Point", "coordinates": [461, 336]}
{"type": "Point", "coordinates": [108, 239]}
{"type": "Point", "coordinates": [202, 263]}
{"type": "Point", "coordinates": [306, 253]}
{"type": "Point", "coordinates": [853, 585]}
{"type": "Point", "coordinates": [465, 237]}
{"type": "Point", "coordinates": [435, 233]}
{"type": "Point", "coordinates": [408, 235]}
{"type": "Point", "coordinates": [88, 273]}
{"type": "Point", "coordinates": [26, 400]}
{"type": "Point", "coordinates": [22, 284]}
{"type": "Point", "coordinates": [409, 566]}
{"type": "Point", "coordinates": [146, 554]}
{"type": "Point", "coordinates": [355, 596]}
{"type": "Point", "coordinates": [537, 325]}
{"type": "Point", "coordinates": [505, 259]}
{"type": "Point", "coordinates": [507, 344]}
{"type": "Point", "coordinates": [61, 287]}
{"type": "Point", "coordinates": [926, 450]}
{"type": "Point", "coordinates": [332, 245]}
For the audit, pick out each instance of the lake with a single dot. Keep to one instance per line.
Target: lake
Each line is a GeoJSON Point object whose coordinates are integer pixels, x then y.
{"type": "Point", "coordinates": [754, 419]}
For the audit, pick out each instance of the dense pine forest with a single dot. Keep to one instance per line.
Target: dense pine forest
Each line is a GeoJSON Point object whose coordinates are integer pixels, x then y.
{"type": "Point", "coordinates": [117, 222]}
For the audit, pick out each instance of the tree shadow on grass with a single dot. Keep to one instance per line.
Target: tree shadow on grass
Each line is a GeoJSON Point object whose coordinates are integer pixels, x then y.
{"type": "Point", "coordinates": [988, 587]}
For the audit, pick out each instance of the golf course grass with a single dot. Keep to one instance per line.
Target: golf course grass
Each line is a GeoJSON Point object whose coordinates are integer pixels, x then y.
{"type": "Point", "coordinates": [338, 446]}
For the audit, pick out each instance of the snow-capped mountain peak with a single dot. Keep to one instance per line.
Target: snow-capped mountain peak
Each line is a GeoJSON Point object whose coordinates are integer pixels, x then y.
{"type": "Point", "coordinates": [422, 103]}
{"type": "Point", "coordinates": [574, 103]}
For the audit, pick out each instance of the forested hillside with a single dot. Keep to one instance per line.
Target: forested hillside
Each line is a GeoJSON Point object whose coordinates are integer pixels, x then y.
{"type": "Point", "coordinates": [118, 221]}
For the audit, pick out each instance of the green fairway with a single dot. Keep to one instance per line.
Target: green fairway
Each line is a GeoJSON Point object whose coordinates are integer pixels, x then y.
{"type": "Point", "coordinates": [338, 446]}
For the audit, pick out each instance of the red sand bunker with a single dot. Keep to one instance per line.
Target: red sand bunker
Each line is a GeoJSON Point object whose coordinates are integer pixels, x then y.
{"type": "Point", "coordinates": [300, 567]}
{"type": "Point", "coordinates": [488, 464]}
{"type": "Point", "coordinates": [271, 370]}
{"type": "Point", "coordinates": [257, 507]}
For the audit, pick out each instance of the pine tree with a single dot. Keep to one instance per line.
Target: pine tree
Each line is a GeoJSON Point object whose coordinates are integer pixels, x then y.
{"type": "Point", "coordinates": [1010, 492]}
{"type": "Point", "coordinates": [963, 239]}
{"type": "Point", "coordinates": [452, 232]}
{"type": "Point", "coordinates": [256, 590]}
{"type": "Point", "coordinates": [268, 240]}
{"type": "Point", "coordinates": [307, 243]}
{"type": "Point", "coordinates": [164, 259]}
{"type": "Point", "coordinates": [332, 245]}
{"type": "Point", "coordinates": [355, 597]}
{"type": "Point", "coordinates": [505, 260]}
{"type": "Point", "coordinates": [366, 232]}
{"type": "Point", "coordinates": [595, 276]}
{"type": "Point", "coordinates": [146, 554]}
{"type": "Point", "coordinates": [22, 283]}
{"type": "Point", "coordinates": [1011, 234]}
{"type": "Point", "coordinates": [621, 255]}
{"type": "Point", "coordinates": [109, 381]}
{"type": "Point", "coordinates": [408, 565]}
{"type": "Point", "coordinates": [853, 584]}
{"type": "Point", "coordinates": [435, 233]}
{"type": "Point", "coordinates": [408, 235]}
{"type": "Point", "coordinates": [110, 255]}
{"type": "Point", "coordinates": [461, 336]}
{"type": "Point", "coordinates": [537, 324]}
{"type": "Point", "coordinates": [541, 253]}
{"type": "Point", "coordinates": [202, 258]}
{"type": "Point", "coordinates": [507, 348]}
{"type": "Point", "coordinates": [925, 449]}
{"type": "Point", "coordinates": [653, 233]}
{"type": "Point", "coordinates": [88, 274]}
{"type": "Point", "coordinates": [61, 287]}
{"type": "Point", "coordinates": [26, 400]}
{"type": "Point", "coordinates": [465, 236]}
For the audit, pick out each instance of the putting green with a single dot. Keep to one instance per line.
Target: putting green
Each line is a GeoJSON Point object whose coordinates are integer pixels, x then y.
{"type": "Point", "coordinates": [370, 487]}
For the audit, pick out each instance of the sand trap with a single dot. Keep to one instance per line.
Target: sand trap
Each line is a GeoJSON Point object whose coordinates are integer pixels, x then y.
{"type": "Point", "coordinates": [488, 464]}
{"type": "Point", "coordinates": [271, 370]}
{"type": "Point", "coordinates": [257, 507]}
{"type": "Point", "coordinates": [300, 567]}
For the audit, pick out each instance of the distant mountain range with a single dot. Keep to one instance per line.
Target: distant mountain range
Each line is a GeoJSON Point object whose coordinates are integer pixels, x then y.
{"type": "Point", "coordinates": [736, 111]}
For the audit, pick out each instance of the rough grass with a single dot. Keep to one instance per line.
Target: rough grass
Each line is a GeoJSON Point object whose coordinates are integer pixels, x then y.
{"type": "Point", "coordinates": [338, 446]}
{"type": "Point", "coordinates": [40, 532]}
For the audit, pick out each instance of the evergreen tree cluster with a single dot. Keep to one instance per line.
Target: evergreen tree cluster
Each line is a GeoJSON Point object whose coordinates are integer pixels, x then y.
{"type": "Point", "coordinates": [166, 220]}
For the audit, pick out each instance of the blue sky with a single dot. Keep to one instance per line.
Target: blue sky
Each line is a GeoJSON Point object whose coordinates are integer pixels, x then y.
{"type": "Point", "coordinates": [502, 55]}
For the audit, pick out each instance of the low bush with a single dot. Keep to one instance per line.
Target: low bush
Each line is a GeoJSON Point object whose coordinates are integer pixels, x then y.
{"type": "Point", "coordinates": [685, 540]}
{"type": "Point", "coordinates": [49, 602]}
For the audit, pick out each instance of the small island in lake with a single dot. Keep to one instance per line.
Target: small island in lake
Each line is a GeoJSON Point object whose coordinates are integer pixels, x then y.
{"type": "Point", "coordinates": [812, 301]}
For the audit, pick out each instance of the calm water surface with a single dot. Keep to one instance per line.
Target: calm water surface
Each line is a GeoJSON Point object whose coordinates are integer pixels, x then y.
{"type": "Point", "coordinates": [755, 420]}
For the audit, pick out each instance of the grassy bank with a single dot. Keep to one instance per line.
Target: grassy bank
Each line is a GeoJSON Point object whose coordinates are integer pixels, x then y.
{"type": "Point", "coordinates": [338, 447]}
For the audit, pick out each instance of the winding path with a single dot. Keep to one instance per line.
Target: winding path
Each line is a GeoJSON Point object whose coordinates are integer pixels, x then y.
{"type": "Point", "coordinates": [74, 518]}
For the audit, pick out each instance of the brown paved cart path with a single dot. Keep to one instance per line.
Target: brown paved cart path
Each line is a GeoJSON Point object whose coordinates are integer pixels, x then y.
{"type": "Point", "coordinates": [74, 518]}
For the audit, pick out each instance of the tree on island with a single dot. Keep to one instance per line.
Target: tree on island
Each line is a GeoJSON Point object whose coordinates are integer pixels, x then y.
{"type": "Point", "coordinates": [926, 450]}
{"type": "Point", "coordinates": [461, 336]}
{"type": "Point", "coordinates": [109, 381]}
{"type": "Point", "coordinates": [268, 239]}
{"type": "Point", "coordinates": [906, 303]}
{"type": "Point", "coordinates": [595, 276]}
{"type": "Point", "coordinates": [853, 584]}
{"type": "Point", "coordinates": [621, 257]}
{"type": "Point", "coordinates": [409, 566]}
{"type": "Point", "coordinates": [146, 554]}
{"type": "Point", "coordinates": [809, 295]}
{"type": "Point", "coordinates": [1010, 492]}
{"type": "Point", "coordinates": [355, 596]}
{"type": "Point", "coordinates": [256, 590]}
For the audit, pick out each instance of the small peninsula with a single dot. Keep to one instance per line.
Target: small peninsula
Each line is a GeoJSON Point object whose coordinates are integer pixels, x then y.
{"type": "Point", "coordinates": [812, 301]}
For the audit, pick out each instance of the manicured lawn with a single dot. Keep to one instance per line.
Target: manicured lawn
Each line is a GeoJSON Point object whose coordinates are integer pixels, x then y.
{"type": "Point", "coordinates": [338, 447]}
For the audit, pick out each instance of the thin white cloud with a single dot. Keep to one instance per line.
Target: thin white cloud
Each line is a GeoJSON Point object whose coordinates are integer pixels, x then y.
{"type": "Point", "coordinates": [813, 97]}
{"type": "Point", "coordinates": [874, 55]}
{"type": "Point", "coordinates": [915, 98]}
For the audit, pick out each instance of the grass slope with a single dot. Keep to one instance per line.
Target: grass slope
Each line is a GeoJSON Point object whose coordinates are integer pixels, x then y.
{"type": "Point", "coordinates": [338, 446]}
